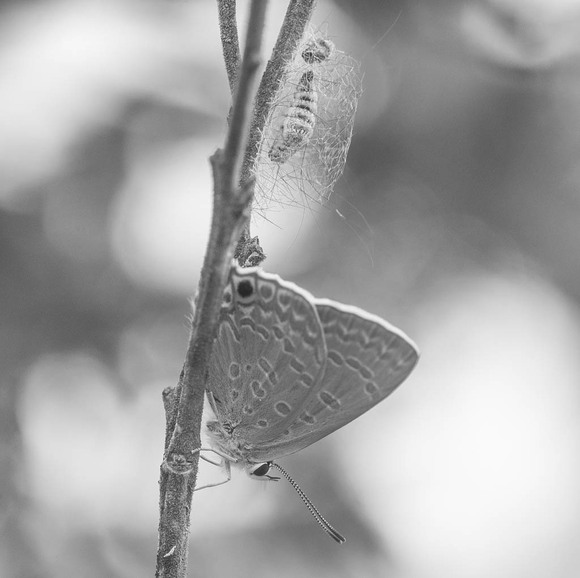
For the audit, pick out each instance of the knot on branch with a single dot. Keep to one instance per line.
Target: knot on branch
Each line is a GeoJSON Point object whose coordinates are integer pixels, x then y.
{"type": "Point", "coordinates": [249, 253]}
{"type": "Point", "coordinates": [178, 463]}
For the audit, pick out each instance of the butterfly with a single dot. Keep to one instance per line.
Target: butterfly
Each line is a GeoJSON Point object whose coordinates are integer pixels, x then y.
{"type": "Point", "coordinates": [287, 369]}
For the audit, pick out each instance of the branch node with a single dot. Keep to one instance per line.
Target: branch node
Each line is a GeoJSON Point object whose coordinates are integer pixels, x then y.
{"type": "Point", "coordinates": [249, 253]}
{"type": "Point", "coordinates": [178, 464]}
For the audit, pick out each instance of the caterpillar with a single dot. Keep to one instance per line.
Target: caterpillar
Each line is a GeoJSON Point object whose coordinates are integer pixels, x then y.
{"type": "Point", "coordinates": [298, 124]}
{"type": "Point", "coordinates": [306, 136]}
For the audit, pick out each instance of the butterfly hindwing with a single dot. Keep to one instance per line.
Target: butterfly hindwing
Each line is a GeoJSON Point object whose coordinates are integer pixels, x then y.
{"type": "Point", "coordinates": [268, 355]}
{"type": "Point", "coordinates": [367, 359]}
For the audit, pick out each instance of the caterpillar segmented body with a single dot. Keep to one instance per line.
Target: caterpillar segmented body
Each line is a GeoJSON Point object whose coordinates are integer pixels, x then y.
{"type": "Point", "coordinates": [309, 127]}
{"type": "Point", "coordinates": [298, 125]}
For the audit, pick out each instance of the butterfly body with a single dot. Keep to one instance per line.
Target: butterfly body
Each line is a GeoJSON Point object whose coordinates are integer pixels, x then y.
{"type": "Point", "coordinates": [288, 369]}
{"type": "Point", "coordinates": [228, 442]}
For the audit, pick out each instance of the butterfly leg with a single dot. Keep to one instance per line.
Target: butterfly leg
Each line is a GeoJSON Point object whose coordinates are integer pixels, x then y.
{"type": "Point", "coordinates": [228, 470]}
{"type": "Point", "coordinates": [206, 459]}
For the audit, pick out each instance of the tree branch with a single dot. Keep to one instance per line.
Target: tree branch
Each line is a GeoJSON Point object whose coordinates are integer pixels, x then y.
{"type": "Point", "coordinates": [229, 38]}
{"type": "Point", "coordinates": [184, 404]}
{"type": "Point", "coordinates": [291, 33]}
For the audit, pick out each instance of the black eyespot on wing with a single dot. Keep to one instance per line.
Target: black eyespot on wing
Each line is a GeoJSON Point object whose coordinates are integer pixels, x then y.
{"type": "Point", "coordinates": [245, 289]}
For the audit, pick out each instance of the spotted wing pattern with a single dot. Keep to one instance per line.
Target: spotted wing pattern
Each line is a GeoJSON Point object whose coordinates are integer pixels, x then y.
{"type": "Point", "coordinates": [367, 359]}
{"type": "Point", "coordinates": [268, 356]}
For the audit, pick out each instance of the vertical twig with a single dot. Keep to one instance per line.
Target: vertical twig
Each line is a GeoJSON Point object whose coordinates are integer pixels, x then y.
{"type": "Point", "coordinates": [184, 404]}
{"type": "Point", "coordinates": [233, 192]}
{"type": "Point", "coordinates": [229, 38]}
{"type": "Point", "coordinates": [291, 33]}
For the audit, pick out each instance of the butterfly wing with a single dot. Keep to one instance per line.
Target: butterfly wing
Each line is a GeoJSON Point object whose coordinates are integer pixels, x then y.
{"type": "Point", "coordinates": [268, 355]}
{"type": "Point", "coordinates": [367, 359]}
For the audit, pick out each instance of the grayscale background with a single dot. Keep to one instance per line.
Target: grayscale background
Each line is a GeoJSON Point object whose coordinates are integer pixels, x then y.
{"type": "Point", "coordinates": [457, 219]}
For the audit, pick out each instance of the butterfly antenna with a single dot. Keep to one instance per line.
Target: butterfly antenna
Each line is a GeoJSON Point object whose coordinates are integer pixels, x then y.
{"type": "Point", "coordinates": [317, 515]}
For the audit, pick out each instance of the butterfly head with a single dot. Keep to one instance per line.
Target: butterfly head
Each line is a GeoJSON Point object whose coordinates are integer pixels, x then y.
{"type": "Point", "coordinates": [261, 472]}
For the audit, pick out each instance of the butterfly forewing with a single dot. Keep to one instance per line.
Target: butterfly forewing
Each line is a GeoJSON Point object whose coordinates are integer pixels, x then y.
{"type": "Point", "coordinates": [367, 359]}
{"type": "Point", "coordinates": [268, 355]}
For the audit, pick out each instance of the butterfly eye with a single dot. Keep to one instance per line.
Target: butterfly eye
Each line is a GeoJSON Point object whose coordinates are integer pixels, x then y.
{"type": "Point", "coordinates": [261, 471]}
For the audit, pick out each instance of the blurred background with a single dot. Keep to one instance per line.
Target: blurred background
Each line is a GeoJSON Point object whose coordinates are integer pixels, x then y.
{"type": "Point", "coordinates": [457, 219]}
